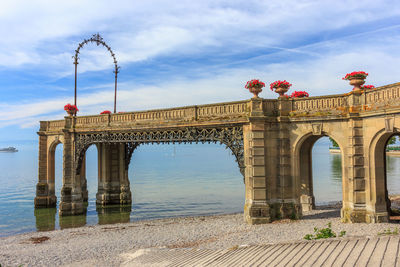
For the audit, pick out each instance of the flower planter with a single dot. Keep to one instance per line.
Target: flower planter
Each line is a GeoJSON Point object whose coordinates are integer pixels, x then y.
{"type": "Point", "coordinates": [299, 94]}
{"type": "Point", "coordinates": [71, 112]}
{"type": "Point", "coordinates": [356, 82]}
{"type": "Point", "coordinates": [281, 91]}
{"type": "Point", "coordinates": [255, 91]}
{"type": "Point", "coordinates": [280, 87]}
{"type": "Point", "coordinates": [356, 79]}
{"type": "Point", "coordinates": [254, 86]}
{"type": "Point", "coordinates": [71, 109]}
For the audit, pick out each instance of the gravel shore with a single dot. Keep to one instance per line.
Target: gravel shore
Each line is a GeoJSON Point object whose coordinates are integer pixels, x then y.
{"type": "Point", "coordinates": [108, 245]}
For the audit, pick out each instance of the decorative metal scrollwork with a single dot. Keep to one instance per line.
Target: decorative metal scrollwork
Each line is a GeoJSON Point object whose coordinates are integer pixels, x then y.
{"type": "Point", "coordinates": [129, 148]}
{"type": "Point", "coordinates": [232, 137]}
{"type": "Point", "coordinates": [96, 38]}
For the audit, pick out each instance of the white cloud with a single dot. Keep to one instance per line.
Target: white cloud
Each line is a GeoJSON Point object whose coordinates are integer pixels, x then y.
{"type": "Point", "coordinates": [310, 43]}
{"type": "Point", "coordinates": [141, 30]}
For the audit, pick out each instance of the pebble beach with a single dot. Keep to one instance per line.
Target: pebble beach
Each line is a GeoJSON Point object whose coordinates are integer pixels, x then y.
{"type": "Point", "coordinates": [111, 245]}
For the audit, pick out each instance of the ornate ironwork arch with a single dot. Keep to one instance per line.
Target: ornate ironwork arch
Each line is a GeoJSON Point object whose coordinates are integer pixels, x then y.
{"type": "Point", "coordinates": [96, 38]}
{"type": "Point", "coordinates": [232, 137]}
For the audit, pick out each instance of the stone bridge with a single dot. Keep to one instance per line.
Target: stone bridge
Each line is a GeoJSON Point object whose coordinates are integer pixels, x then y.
{"type": "Point", "coordinates": [272, 141]}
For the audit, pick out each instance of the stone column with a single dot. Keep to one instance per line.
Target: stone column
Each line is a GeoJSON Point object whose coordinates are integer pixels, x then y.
{"type": "Point", "coordinates": [256, 209]}
{"type": "Point", "coordinates": [354, 197]}
{"type": "Point", "coordinates": [71, 192]}
{"type": "Point", "coordinates": [285, 203]}
{"type": "Point", "coordinates": [113, 187]}
{"type": "Point", "coordinates": [45, 196]}
{"type": "Point", "coordinates": [125, 195]}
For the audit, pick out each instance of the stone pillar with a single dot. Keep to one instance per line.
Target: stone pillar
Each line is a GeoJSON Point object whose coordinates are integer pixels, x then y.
{"type": "Point", "coordinates": [125, 189]}
{"type": "Point", "coordinates": [256, 209]}
{"type": "Point", "coordinates": [71, 192]}
{"type": "Point", "coordinates": [113, 186]}
{"type": "Point", "coordinates": [354, 204]}
{"type": "Point", "coordinates": [285, 203]}
{"type": "Point", "coordinates": [354, 197]}
{"type": "Point", "coordinates": [45, 196]}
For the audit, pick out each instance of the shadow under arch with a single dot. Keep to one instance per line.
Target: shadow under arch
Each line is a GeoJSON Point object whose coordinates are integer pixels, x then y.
{"type": "Point", "coordinates": [379, 196]}
{"type": "Point", "coordinates": [303, 173]}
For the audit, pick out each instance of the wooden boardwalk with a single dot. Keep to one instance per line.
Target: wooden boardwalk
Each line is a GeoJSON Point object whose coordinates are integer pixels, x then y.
{"type": "Point", "coordinates": [378, 251]}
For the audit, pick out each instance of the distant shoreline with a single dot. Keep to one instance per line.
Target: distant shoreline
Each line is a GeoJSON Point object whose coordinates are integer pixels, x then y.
{"type": "Point", "coordinates": [388, 152]}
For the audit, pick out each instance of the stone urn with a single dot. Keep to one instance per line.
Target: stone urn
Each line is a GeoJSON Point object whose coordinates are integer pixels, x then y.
{"type": "Point", "coordinates": [71, 113]}
{"type": "Point", "coordinates": [357, 82]}
{"type": "Point", "coordinates": [255, 91]}
{"type": "Point", "coordinates": [281, 91]}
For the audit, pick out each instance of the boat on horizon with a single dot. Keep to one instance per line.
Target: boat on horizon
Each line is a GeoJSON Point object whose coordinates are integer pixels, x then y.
{"type": "Point", "coordinates": [8, 149]}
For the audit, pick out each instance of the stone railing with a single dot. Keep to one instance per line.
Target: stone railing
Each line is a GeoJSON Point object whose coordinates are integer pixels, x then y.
{"type": "Point", "coordinates": [387, 96]}
{"type": "Point", "coordinates": [52, 125]}
{"type": "Point", "coordinates": [321, 106]}
{"type": "Point", "coordinates": [270, 106]}
{"type": "Point", "coordinates": [184, 113]}
{"type": "Point", "coordinates": [83, 121]}
{"type": "Point", "coordinates": [232, 109]}
{"type": "Point", "coordinates": [220, 111]}
{"type": "Point", "coordinates": [384, 96]}
{"type": "Point", "coordinates": [320, 103]}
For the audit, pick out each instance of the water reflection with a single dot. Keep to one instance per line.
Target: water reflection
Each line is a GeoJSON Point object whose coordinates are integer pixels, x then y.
{"type": "Point", "coordinates": [114, 214]}
{"type": "Point", "coordinates": [72, 221]}
{"type": "Point", "coordinates": [45, 219]}
{"type": "Point", "coordinates": [178, 186]}
{"type": "Point", "coordinates": [336, 167]}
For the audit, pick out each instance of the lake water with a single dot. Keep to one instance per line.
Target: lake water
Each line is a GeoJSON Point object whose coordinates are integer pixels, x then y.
{"type": "Point", "coordinates": [166, 181]}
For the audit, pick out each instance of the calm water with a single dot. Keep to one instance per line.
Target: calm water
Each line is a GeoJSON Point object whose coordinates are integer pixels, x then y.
{"type": "Point", "coordinates": [166, 181]}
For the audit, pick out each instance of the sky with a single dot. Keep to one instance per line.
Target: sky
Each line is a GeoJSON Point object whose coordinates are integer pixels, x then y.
{"type": "Point", "coordinates": [179, 53]}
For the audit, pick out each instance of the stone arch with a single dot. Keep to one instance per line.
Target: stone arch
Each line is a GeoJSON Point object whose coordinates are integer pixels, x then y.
{"type": "Point", "coordinates": [302, 167]}
{"type": "Point", "coordinates": [53, 142]}
{"type": "Point", "coordinates": [231, 137]}
{"type": "Point", "coordinates": [378, 198]}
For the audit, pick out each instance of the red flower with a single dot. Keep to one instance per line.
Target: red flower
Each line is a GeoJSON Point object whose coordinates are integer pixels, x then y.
{"type": "Point", "coordinates": [365, 87]}
{"type": "Point", "coordinates": [69, 107]}
{"type": "Point", "coordinates": [277, 84]}
{"type": "Point", "coordinates": [106, 112]}
{"type": "Point", "coordinates": [355, 74]}
{"type": "Point", "coordinates": [300, 94]}
{"type": "Point", "coordinates": [254, 83]}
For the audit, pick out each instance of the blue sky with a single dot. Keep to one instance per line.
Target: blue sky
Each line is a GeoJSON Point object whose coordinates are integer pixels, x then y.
{"type": "Point", "coordinates": [177, 53]}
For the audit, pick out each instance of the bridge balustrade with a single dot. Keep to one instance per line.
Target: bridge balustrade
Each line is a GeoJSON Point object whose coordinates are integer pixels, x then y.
{"type": "Point", "coordinates": [388, 95]}
{"type": "Point", "coordinates": [57, 125]}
